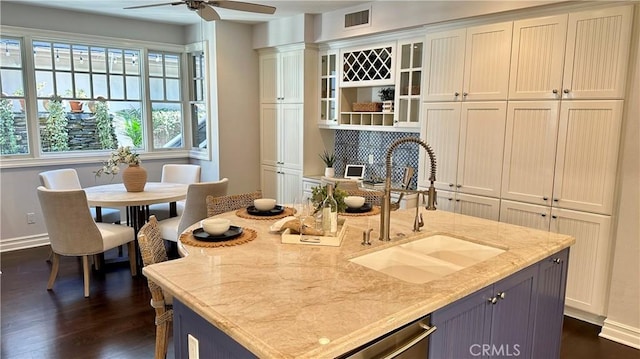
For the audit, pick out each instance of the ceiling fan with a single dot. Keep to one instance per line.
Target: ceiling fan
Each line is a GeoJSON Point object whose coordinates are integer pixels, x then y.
{"type": "Point", "coordinates": [204, 8]}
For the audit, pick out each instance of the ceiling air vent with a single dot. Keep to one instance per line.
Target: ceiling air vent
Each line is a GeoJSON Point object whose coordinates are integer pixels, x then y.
{"type": "Point", "coordinates": [356, 19]}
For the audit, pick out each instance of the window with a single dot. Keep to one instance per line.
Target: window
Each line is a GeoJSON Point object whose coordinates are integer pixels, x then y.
{"type": "Point", "coordinates": [83, 94]}
{"type": "Point", "coordinates": [197, 100]}
{"type": "Point", "coordinates": [13, 120]}
{"type": "Point", "coordinates": [166, 105]}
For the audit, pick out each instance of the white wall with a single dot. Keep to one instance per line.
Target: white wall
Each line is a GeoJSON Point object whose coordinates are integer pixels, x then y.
{"type": "Point", "coordinates": [623, 317]}
{"type": "Point", "coordinates": [238, 115]}
{"type": "Point", "coordinates": [13, 14]}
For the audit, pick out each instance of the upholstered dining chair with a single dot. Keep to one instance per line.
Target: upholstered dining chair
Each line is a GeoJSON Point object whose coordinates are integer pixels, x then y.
{"type": "Point", "coordinates": [153, 251]}
{"type": "Point", "coordinates": [175, 173]}
{"type": "Point", "coordinates": [221, 204]}
{"type": "Point", "coordinates": [67, 178]}
{"type": "Point", "coordinates": [195, 208]}
{"type": "Point", "coordinates": [73, 232]}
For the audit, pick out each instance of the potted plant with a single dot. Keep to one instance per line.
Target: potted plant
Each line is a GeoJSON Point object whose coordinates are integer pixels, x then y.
{"type": "Point", "coordinates": [76, 106]}
{"type": "Point", "coordinates": [387, 95]}
{"type": "Point", "coordinates": [8, 141]}
{"type": "Point", "coordinates": [55, 129]}
{"type": "Point", "coordinates": [329, 160]}
{"type": "Point", "coordinates": [134, 177]}
{"type": "Point", "coordinates": [104, 125]}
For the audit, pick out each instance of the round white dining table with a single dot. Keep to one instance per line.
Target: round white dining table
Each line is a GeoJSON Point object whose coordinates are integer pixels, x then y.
{"type": "Point", "coordinates": [137, 203]}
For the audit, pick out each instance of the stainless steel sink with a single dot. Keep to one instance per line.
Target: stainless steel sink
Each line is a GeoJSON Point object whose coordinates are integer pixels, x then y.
{"type": "Point", "coordinates": [428, 258]}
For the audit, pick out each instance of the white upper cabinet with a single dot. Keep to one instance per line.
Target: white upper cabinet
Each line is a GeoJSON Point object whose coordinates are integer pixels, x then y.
{"type": "Point", "coordinates": [530, 151]}
{"type": "Point", "coordinates": [581, 55]}
{"type": "Point", "coordinates": [467, 140]}
{"type": "Point", "coordinates": [281, 135]}
{"type": "Point", "coordinates": [408, 83]}
{"type": "Point", "coordinates": [468, 64]}
{"type": "Point", "coordinates": [282, 77]}
{"type": "Point", "coordinates": [328, 88]}
{"type": "Point", "coordinates": [537, 57]}
{"type": "Point", "coordinates": [587, 155]}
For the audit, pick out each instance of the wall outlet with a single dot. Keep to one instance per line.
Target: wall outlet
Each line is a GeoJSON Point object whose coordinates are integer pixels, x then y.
{"type": "Point", "coordinates": [31, 218]}
{"type": "Point", "coordinates": [194, 347]}
{"type": "Point", "coordinates": [371, 159]}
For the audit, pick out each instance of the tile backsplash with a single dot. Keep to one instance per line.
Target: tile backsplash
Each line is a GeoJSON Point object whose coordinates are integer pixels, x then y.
{"type": "Point", "coordinates": [354, 147]}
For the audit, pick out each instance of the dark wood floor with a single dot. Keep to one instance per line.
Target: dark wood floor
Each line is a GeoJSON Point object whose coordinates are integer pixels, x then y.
{"type": "Point", "coordinates": [117, 321]}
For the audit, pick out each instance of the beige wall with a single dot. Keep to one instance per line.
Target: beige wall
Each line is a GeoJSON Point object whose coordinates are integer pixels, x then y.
{"type": "Point", "coordinates": [623, 317]}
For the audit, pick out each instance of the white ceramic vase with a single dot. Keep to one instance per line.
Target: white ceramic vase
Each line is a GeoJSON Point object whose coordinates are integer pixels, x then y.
{"type": "Point", "coordinates": [329, 172]}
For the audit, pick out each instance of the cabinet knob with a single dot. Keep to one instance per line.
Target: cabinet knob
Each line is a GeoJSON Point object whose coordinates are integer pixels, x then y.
{"type": "Point", "coordinates": [545, 198]}
{"type": "Point", "coordinates": [556, 199]}
{"type": "Point", "coordinates": [456, 94]}
{"type": "Point", "coordinates": [464, 94]}
{"type": "Point", "coordinates": [458, 185]}
{"type": "Point", "coordinates": [543, 215]}
{"type": "Point", "coordinates": [450, 184]}
{"type": "Point", "coordinates": [502, 295]}
{"type": "Point", "coordinates": [565, 90]}
{"type": "Point", "coordinates": [450, 199]}
{"type": "Point", "coordinates": [555, 91]}
{"type": "Point", "coordinates": [556, 260]}
{"type": "Point", "coordinates": [493, 300]}
{"type": "Point", "coordinates": [457, 200]}
{"type": "Point", "coordinates": [554, 217]}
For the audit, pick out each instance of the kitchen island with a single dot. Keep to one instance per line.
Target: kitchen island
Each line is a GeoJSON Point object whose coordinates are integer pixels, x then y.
{"type": "Point", "coordinates": [304, 301]}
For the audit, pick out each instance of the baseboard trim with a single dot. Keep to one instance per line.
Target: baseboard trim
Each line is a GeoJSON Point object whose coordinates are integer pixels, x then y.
{"type": "Point", "coordinates": [621, 333]}
{"type": "Point", "coordinates": [14, 244]}
{"type": "Point", "coordinates": [584, 316]}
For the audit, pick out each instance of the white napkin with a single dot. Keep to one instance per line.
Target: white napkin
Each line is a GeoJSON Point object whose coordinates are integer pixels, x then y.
{"type": "Point", "coordinates": [277, 226]}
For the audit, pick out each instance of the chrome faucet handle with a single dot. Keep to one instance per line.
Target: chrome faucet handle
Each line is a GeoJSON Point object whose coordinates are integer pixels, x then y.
{"type": "Point", "coordinates": [366, 237]}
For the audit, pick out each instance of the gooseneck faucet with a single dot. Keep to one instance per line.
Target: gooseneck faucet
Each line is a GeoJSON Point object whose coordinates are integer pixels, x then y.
{"type": "Point", "coordinates": [385, 212]}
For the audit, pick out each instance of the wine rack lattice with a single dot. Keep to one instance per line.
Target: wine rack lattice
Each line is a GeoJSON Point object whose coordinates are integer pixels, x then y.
{"type": "Point", "coordinates": [367, 65]}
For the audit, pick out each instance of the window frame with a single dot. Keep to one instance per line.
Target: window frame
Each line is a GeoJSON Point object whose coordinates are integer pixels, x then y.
{"type": "Point", "coordinates": [36, 157]}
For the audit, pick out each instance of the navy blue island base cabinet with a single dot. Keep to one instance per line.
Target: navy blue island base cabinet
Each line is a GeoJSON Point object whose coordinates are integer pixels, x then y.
{"type": "Point", "coordinates": [518, 317]}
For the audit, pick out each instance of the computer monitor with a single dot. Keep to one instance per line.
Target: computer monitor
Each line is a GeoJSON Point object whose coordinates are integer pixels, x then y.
{"type": "Point", "coordinates": [355, 172]}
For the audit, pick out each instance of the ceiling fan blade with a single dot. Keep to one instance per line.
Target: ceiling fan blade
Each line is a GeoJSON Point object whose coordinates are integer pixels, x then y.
{"type": "Point", "coordinates": [153, 5]}
{"type": "Point", "coordinates": [243, 6]}
{"type": "Point", "coordinates": [207, 13]}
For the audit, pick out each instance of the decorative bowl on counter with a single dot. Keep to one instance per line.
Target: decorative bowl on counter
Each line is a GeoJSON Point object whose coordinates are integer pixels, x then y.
{"type": "Point", "coordinates": [215, 226]}
{"type": "Point", "coordinates": [354, 201]}
{"type": "Point", "coordinates": [264, 204]}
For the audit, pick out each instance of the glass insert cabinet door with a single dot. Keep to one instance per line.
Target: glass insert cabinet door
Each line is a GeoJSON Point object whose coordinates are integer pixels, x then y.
{"type": "Point", "coordinates": [328, 88]}
{"type": "Point", "coordinates": [408, 83]}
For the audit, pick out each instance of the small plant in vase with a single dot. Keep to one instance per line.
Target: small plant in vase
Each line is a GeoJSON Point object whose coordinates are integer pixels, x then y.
{"type": "Point", "coordinates": [134, 177]}
{"type": "Point", "coordinates": [319, 193]}
{"type": "Point", "coordinates": [387, 96]}
{"type": "Point", "coordinates": [329, 160]}
{"type": "Point", "coordinates": [75, 105]}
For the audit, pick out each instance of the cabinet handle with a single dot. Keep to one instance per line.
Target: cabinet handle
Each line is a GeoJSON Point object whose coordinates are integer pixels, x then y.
{"type": "Point", "coordinates": [545, 198]}
{"type": "Point", "coordinates": [556, 260]}
{"type": "Point", "coordinates": [411, 342]}
{"type": "Point", "coordinates": [450, 199]}
{"type": "Point", "coordinates": [458, 185]}
{"type": "Point", "coordinates": [555, 91]}
{"type": "Point", "coordinates": [543, 215]}
{"type": "Point", "coordinates": [457, 200]}
{"type": "Point", "coordinates": [450, 184]}
{"type": "Point", "coordinates": [464, 94]}
{"type": "Point", "coordinates": [554, 217]}
{"type": "Point", "coordinates": [565, 90]}
{"type": "Point", "coordinates": [502, 295]}
{"type": "Point", "coordinates": [556, 199]}
{"type": "Point", "coordinates": [493, 300]}
{"type": "Point", "coordinates": [456, 94]}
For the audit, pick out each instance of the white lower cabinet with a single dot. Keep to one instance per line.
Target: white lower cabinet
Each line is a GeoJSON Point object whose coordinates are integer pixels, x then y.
{"type": "Point", "coordinates": [280, 183]}
{"type": "Point", "coordinates": [470, 205]}
{"type": "Point", "coordinates": [589, 256]}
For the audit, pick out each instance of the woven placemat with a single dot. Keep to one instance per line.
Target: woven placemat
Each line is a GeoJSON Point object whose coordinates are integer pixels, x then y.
{"type": "Point", "coordinates": [247, 235]}
{"type": "Point", "coordinates": [242, 213]}
{"type": "Point", "coordinates": [375, 210]}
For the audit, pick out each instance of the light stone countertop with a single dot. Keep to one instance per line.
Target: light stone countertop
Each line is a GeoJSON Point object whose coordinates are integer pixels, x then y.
{"type": "Point", "coordinates": [278, 300]}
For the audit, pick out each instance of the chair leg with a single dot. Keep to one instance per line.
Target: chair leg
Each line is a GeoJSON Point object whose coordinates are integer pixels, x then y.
{"type": "Point", "coordinates": [54, 269]}
{"type": "Point", "coordinates": [50, 254]}
{"type": "Point", "coordinates": [85, 270]}
{"type": "Point", "coordinates": [162, 340]}
{"type": "Point", "coordinates": [131, 247]}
